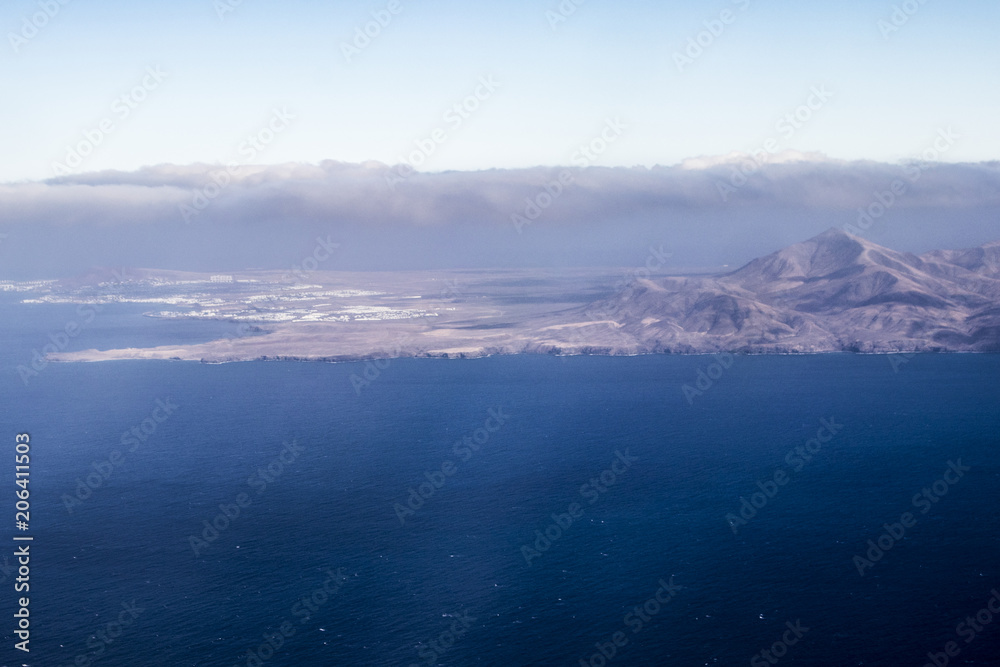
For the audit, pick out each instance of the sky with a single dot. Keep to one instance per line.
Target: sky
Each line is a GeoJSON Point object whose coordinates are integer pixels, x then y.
{"type": "Point", "coordinates": [114, 88]}
{"type": "Point", "coordinates": [226, 67]}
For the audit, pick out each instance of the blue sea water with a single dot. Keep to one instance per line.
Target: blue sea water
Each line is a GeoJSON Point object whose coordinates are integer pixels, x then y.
{"type": "Point", "coordinates": [465, 559]}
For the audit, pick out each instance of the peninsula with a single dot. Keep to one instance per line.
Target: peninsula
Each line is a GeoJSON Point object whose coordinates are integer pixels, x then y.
{"type": "Point", "coordinates": [833, 292]}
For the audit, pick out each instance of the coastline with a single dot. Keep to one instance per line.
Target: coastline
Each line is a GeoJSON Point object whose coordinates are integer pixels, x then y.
{"type": "Point", "coordinates": [151, 354]}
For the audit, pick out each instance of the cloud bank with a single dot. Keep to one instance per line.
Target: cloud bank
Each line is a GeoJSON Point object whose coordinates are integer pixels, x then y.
{"type": "Point", "coordinates": [709, 210]}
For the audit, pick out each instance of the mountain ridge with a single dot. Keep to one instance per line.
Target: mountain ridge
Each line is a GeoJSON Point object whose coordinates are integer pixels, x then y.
{"type": "Point", "coordinates": [832, 291]}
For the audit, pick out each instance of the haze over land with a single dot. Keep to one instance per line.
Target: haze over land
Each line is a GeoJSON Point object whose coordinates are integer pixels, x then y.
{"type": "Point", "coordinates": [833, 292]}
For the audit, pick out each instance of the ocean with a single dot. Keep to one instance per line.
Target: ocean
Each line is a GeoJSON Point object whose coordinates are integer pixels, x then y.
{"type": "Point", "coordinates": [527, 510]}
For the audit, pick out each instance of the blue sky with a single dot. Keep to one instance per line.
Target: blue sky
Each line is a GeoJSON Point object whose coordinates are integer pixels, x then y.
{"type": "Point", "coordinates": [556, 86]}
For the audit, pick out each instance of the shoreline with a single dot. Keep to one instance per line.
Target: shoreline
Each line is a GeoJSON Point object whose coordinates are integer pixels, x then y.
{"type": "Point", "coordinates": [82, 357]}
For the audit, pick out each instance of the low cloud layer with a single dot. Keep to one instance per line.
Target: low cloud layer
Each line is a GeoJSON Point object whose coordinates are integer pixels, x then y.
{"type": "Point", "coordinates": [709, 211]}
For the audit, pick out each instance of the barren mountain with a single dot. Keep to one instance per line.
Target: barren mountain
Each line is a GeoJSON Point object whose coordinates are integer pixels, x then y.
{"type": "Point", "coordinates": [832, 292]}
